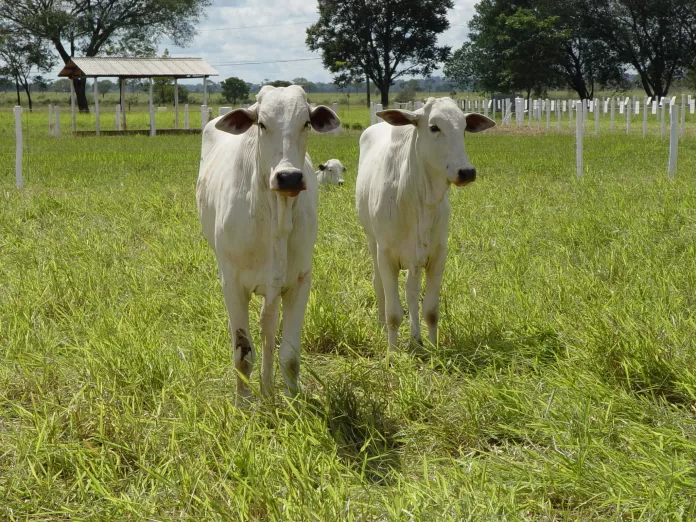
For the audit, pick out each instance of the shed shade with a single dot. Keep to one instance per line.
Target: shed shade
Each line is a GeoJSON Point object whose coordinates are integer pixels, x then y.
{"type": "Point", "coordinates": [137, 67]}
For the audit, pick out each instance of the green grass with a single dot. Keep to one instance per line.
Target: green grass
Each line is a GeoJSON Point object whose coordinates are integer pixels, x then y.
{"type": "Point", "coordinates": [563, 388]}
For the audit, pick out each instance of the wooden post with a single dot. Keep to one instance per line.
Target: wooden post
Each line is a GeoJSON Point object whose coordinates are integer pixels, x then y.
{"type": "Point", "coordinates": [124, 124]}
{"type": "Point", "coordinates": [50, 119]}
{"type": "Point", "coordinates": [176, 103]}
{"type": "Point", "coordinates": [56, 121]}
{"type": "Point", "coordinates": [205, 90]}
{"type": "Point", "coordinates": [72, 105]}
{"type": "Point", "coordinates": [19, 148]}
{"type": "Point", "coordinates": [153, 131]}
{"type": "Point", "coordinates": [96, 106]}
{"type": "Point", "coordinates": [186, 118]}
{"type": "Point", "coordinates": [117, 117]}
{"type": "Point", "coordinates": [578, 139]}
{"type": "Point", "coordinates": [673, 139]}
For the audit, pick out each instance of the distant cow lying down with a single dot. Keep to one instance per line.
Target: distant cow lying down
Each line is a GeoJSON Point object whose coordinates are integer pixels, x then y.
{"type": "Point", "coordinates": [331, 173]}
{"type": "Point", "coordinates": [257, 202]}
{"type": "Point", "coordinates": [407, 165]}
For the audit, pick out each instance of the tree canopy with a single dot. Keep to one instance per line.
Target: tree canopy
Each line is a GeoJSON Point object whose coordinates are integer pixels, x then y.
{"type": "Point", "coordinates": [234, 90]}
{"type": "Point", "coordinates": [382, 39]}
{"type": "Point", "coordinates": [21, 56]}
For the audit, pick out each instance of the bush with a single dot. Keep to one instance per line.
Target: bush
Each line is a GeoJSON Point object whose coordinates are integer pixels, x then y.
{"type": "Point", "coordinates": [357, 126]}
{"type": "Point", "coordinates": [345, 125]}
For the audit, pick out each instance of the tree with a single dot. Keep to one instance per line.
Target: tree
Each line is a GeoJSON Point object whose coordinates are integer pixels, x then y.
{"type": "Point", "coordinates": [61, 85]}
{"type": "Point", "coordinates": [234, 89]}
{"type": "Point", "coordinates": [112, 27]}
{"type": "Point", "coordinates": [163, 91]}
{"type": "Point", "coordinates": [384, 39]}
{"type": "Point", "coordinates": [105, 86]}
{"type": "Point", "coordinates": [280, 83]}
{"type": "Point", "coordinates": [21, 55]}
{"type": "Point", "coordinates": [656, 37]}
{"type": "Point", "coordinates": [553, 40]}
{"type": "Point", "coordinates": [305, 84]}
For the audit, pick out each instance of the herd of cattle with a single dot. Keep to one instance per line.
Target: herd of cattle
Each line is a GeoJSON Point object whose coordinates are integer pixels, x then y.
{"type": "Point", "coordinates": [257, 197]}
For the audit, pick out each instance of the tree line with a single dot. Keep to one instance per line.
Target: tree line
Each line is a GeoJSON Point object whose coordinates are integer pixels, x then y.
{"type": "Point", "coordinates": [533, 46]}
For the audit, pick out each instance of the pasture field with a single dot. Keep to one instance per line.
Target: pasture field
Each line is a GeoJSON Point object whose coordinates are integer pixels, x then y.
{"type": "Point", "coordinates": [563, 386]}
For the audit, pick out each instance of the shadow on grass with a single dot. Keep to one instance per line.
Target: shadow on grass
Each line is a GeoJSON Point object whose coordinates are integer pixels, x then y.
{"type": "Point", "coordinates": [358, 421]}
{"type": "Point", "coordinates": [497, 348]}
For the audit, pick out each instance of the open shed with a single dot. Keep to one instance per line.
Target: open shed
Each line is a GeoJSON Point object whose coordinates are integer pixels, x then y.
{"type": "Point", "coordinates": [127, 68]}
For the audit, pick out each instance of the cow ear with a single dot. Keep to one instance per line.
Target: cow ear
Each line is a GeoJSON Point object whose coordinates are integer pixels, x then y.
{"type": "Point", "coordinates": [478, 122]}
{"type": "Point", "coordinates": [237, 121]}
{"type": "Point", "coordinates": [323, 119]}
{"type": "Point", "coordinates": [322, 166]}
{"type": "Point", "coordinates": [398, 117]}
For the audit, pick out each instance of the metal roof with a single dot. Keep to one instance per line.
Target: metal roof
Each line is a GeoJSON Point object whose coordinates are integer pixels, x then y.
{"type": "Point", "coordinates": [137, 67]}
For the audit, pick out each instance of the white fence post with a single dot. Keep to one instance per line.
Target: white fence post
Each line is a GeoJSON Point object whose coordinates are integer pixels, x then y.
{"type": "Point", "coordinates": [50, 119]}
{"type": "Point", "coordinates": [186, 118]}
{"type": "Point", "coordinates": [117, 116]}
{"type": "Point", "coordinates": [596, 117]}
{"type": "Point", "coordinates": [153, 131]}
{"type": "Point", "coordinates": [645, 116]}
{"type": "Point", "coordinates": [548, 115]}
{"type": "Point", "coordinates": [223, 110]}
{"type": "Point", "coordinates": [662, 119]}
{"type": "Point", "coordinates": [613, 112]}
{"type": "Point", "coordinates": [56, 121]}
{"type": "Point", "coordinates": [571, 108]}
{"type": "Point", "coordinates": [629, 111]}
{"type": "Point", "coordinates": [204, 116]}
{"type": "Point", "coordinates": [673, 139]}
{"type": "Point", "coordinates": [19, 149]}
{"type": "Point", "coordinates": [578, 139]}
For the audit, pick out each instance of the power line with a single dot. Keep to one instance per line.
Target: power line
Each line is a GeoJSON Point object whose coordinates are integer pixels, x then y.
{"type": "Point", "coordinates": [274, 61]}
{"type": "Point", "coordinates": [256, 26]}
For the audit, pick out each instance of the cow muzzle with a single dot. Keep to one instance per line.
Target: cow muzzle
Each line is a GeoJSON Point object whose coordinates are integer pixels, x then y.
{"type": "Point", "coordinates": [465, 176]}
{"type": "Point", "coordinates": [289, 182]}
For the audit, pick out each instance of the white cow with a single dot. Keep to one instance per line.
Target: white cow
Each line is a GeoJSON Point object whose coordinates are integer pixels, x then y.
{"type": "Point", "coordinates": [331, 173]}
{"type": "Point", "coordinates": [407, 165]}
{"type": "Point", "coordinates": [257, 201]}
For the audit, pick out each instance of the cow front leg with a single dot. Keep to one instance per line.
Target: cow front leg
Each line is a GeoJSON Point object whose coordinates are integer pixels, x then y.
{"type": "Point", "coordinates": [413, 290]}
{"type": "Point", "coordinates": [243, 353]}
{"type": "Point", "coordinates": [377, 283]}
{"type": "Point", "coordinates": [269, 328]}
{"type": "Point", "coordinates": [389, 272]}
{"type": "Point", "coordinates": [294, 304]}
{"type": "Point", "coordinates": [431, 299]}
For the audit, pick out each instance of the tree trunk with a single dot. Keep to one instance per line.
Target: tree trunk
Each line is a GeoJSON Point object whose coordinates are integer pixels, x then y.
{"type": "Point", "coordinates": [384, 93]}
{"type": "Point", "coordinates": [28, 91]}
{"type": "Point", "coordinates": [80, 85]}
{"type": "Point", "coordinates": [19, 101]}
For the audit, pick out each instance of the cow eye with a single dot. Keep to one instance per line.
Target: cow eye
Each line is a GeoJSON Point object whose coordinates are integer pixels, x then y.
{"type": "Point", "coordinates": [262, 126]}
{"type": "Point", "coordinates": [434, 128]}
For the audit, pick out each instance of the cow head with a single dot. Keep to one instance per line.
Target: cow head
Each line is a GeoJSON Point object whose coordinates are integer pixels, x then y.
{"type": "Point", "coordinates": [282, 119]}
{"type": "Point", "coordinates": [440, 127]}
{"type": "Point", "coordinates": [332, 172]}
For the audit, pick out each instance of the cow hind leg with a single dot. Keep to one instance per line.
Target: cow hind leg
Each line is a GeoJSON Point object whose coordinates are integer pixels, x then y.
{"type": "Point", "coordinates": [269, 329]}
{"type": "Point", "coordinates": [413, 290]}
{"type": "Point", "coordinates": [377, 283]}
{"type": "Point", "coordinates": [431, 299]}
{"type": "Point", "coordinates": [389, 272]}
{"type": "Point", "coordinates": [243, 353]}
{"type": "Point", "coordinates": [294, 305]}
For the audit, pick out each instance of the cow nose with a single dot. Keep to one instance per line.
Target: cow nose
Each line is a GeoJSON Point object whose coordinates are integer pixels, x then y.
{"type": "Point", "coordinates": [466, 176]}
{"type": "Point", "coordinates": [290, 180]}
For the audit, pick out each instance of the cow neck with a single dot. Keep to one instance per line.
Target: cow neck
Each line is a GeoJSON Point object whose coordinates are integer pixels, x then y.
{"type": "Point", "coordinates": [429, 188]}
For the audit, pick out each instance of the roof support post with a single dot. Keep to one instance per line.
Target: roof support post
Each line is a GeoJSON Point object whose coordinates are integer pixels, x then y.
{"type": "Point", "coordinates": [205, 90]}
{"type": "Point", "coordinates": [123, 104]}
{"type": "Point", "coordinates": [152, 112]}
{"type": "Point", "coordinates": [176, 103]}
{"type": "Point", "coordinates": [96, 106]}
{"type": "Point", "coordinates": [72, 105]}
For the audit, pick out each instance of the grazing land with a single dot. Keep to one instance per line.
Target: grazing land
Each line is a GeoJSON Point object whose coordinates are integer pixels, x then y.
{"type": "Point", "coordinates": [563, 386]}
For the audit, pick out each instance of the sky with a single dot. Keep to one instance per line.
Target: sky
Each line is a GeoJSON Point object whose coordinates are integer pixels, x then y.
{"type": "Point", "coordinates": [236, 32]}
